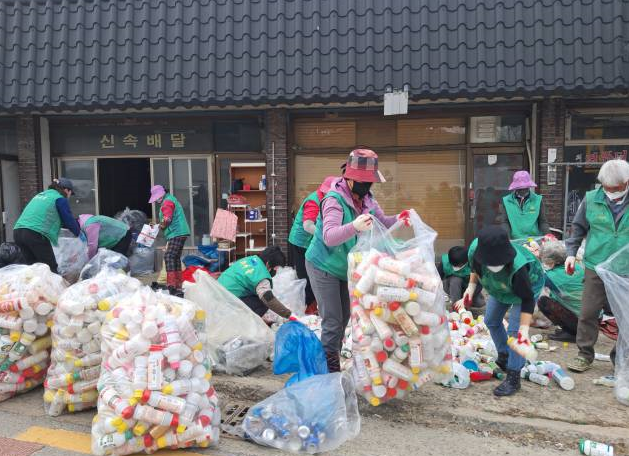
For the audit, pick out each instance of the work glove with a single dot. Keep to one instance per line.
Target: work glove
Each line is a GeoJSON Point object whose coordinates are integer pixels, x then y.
{"type": "Point", "coordinates": [523, 345]}
{"type": "Point", "coordinates": [362, 223]}
{"type": "Point", "coordinates": [569, 265]}
{"type": "Point", "coordinates": [466, 302]}
{"type": "Point", "coordinates": [405, 216]}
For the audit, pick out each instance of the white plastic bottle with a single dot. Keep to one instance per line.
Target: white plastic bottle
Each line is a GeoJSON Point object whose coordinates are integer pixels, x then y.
{"type": "Point", "coordinates": [399, 267]}
{"type": "Point", "coordinates": [154, 368]}
{"type": "Point", "coordinates": [362, 319]}
{"type": "Point", "coordinates": [403, 319]}
{"type": "Point", "coordinates": [383, 330]}
{"type": "Point", "coordinates": [400, 371]}
{"type": "Point", "coordinates": [164, 402]}
{"type": "Point", "coordinates": [366, 282]}
{"type": "Point", "coordinates": [140, 375]}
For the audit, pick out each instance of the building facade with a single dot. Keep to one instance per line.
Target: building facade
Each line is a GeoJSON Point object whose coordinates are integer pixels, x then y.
{"type": "Point", "coordinates": [121, 94]}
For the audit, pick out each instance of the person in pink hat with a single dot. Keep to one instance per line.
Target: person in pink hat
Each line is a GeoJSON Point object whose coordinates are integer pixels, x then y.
{"type": "Point", "coordinates": [172, 220]}
{"type": "Point", "coordinates": [301, 234]}
{"type": "Point", "coordinates": [346, 210]}
{"type": "Point", "coordinates": [523, 209]}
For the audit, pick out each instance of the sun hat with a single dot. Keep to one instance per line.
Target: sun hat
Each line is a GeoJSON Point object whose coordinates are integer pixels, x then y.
{"type": "Point", "coordinates": [494, 247]}
{"type": "Point", "coordinates": [362, 166]}
{"type": "Point", "coordinates": [522, 179]}
{"type": "Point", "coordinates": [157, 191]}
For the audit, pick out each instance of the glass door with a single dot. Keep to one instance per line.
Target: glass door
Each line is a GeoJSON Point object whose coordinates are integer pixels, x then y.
{"type": "Point", "coordinates": [83, 175]}
{"type": "Point", "coordinates": [10, 197]}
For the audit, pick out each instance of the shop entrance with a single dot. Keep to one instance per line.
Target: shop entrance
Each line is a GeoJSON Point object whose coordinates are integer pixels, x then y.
{"type": "Point", "coordinates": [123, 182]}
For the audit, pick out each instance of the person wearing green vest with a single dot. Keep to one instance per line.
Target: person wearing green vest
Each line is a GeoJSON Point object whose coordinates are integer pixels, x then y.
{"type": "Point", "coordinates": [346, 210]}
{"type": "Point", "coordinates": [455, 271]}
{"type": "Point", "coordinates": [513, 278]}
{"type": "Point", "coordinates": [249, 279]}
{"type": "Point", "coordinates": [523, 214]}
{"type": "Point", "coordinates": [301, 234]}
{"type": "Point", "coordinates": [562, 303]}
{"type": "Point", "coordinates": [37, 228]}
{"type": "Point", "coordinates": [172, 221]}
{"type": "Point", "coordinates": [105, 232]}
{"type": "Point", "coordinates": [602, 219]}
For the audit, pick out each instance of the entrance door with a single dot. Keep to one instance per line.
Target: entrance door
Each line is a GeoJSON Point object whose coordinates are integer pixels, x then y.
{"type": "Point", "coordinates": [83, 175]}
{"type": "Point", "coordinates": [492, 175]}
{"type": "Point", "coordinates": [123, 182]}
{"type": "Point", "coordinates": [10, 197]}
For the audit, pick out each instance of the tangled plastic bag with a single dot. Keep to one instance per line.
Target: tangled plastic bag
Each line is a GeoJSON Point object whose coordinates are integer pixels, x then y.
{"type": "Point", "coordinates": [290, 290]}
{"type": "Point", "coordinates": [400, 336]}
{"type": "Point", "coordinates": [104, 259]}
{"type": "Point", "coordinates": [615, 274]}
{"type": "Point", "coordinates": [231, 326]}
{"type": "Point", "coordinates": [315, 415]}
{"type": "Point", "coordinates": [297, 349]}
{"type": "Point", "coordinates": [28, 296]}
{"type": "Point", "coordinates": [154, 386]}
{"type": "Point", "coordinates": [133, 218]}
{"type": "Point", "coordinates": [75, 357]}
{"type": "Point", "coordinates": [71, 255]}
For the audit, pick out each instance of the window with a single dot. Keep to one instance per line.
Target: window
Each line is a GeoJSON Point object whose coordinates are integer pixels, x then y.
{"type": "Point", "coordinates": [497, 129]}
{"type": "Point", "coordinates": [599, 126]}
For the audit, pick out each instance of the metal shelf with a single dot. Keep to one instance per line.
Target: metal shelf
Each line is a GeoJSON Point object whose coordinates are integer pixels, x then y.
{"type": "Point", "coordinates": [255, 249]}
{"type": "Point", "coordinates": [231, 249]}
{"type": "Point", "coordinates": [256, 220]}
{"type": "Point", "coordinates": [243, 234]}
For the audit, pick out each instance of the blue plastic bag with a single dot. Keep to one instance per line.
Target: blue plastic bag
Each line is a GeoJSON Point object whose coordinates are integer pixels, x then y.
{"type": "Point", "coordinates": [297, 349]}
{"type": "Point", "coordinates": [211, 252]}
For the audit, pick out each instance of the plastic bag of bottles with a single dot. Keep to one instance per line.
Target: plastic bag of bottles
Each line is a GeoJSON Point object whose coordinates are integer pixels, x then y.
{"type": "Point", "coordinates": [241, 355]}
{"type": "Point", "coordinates": [104, 259]}
{"type": "Point", "coordinates": [154, 386]}
{"type": "Point", "coordinates": [229, 320]}
{"type": "Point", "coordinates": [133, 218]}
{"type": "Point", "coordinates": [315, 415]}
{"type": "Point", "coordinates": [400, 336]}
{"type": "Point", "coordinates": [142, 261]}
{"type": "Point", "coordinates": [615, 274]}
{"type": "Point", "coordinates": [71, 255]}
{"type": "Point", "coordinates": [76, 356]}
{"type": "Point", "coordinates": [297, 349]}
{"type": "Point", "coordinates": [28, 296]}
{"type": "Point", "coordinates": [290, 290]}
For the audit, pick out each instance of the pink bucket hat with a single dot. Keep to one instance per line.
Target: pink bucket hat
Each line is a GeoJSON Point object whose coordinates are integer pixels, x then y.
{"type": "Point", "coordinates": [157, 191]}
{"type": "Point", "coordinates": [327, 183]}
{"type": "Point", "coordinates": [84, 218]}
{"type": "Point", "coordinates": [362, 166]}
{"type": "Point", "coordinates": [522, 179]}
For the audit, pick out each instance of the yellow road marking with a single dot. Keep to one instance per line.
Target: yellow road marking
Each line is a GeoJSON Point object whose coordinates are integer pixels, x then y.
{"type": "Point", "coordinates": [78, 442]}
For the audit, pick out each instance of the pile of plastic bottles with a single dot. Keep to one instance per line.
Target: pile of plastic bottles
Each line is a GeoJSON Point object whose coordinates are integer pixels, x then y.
{"type": "Point", "coordinates": [76, 357]}
{"type": "Point", "coordinates": [400, 336]}
{"type": "Point", "coordinates": [541, 372]}
{"type": "Point", "coordinates": [28, 296]}
{"type": "Point", "coordinates": [154, 389]}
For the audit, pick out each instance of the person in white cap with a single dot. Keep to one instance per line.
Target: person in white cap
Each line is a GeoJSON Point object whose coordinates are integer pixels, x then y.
{"type": "Point", "coordinates": [172, 220]}
{"type": "Point", "coordinates": [522, 209]}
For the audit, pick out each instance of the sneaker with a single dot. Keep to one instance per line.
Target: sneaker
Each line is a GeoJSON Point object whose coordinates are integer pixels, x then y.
{"type": "Point", "coordinates": [579, 364]}
{"type": "Point", "coordinates": [562, 336]}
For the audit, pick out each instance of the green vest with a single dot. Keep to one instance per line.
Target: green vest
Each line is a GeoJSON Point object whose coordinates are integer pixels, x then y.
{"type": "Point", "coordinates": [111, 230]}
{"type": "Point", "coordinates": [498, 284]}
{"type": "Point", "coordinates": [603, 238]}
{"type": "Point", "coordinates": [244, 275]}
{"type": "Point", "coordinates": [332, 260]}
{"type": "Point", "coordinates": [448, 270]}
{"type": "Point", "coordinates": [523, 220]}
{"type": "Point", "coordinates": [298, 236]}
{"type": "Point", "coordinates": [178, 226]}
{"type": "Point", "coordinates": [565, 289]}
{"type": "Point", "coordinates": [41, 215]}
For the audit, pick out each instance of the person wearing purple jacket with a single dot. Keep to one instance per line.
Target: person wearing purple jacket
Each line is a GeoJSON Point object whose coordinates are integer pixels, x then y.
{"type": "Point", "coordinates": [346, 210]}
{"type": "Point", "coordinates": [105, 232]}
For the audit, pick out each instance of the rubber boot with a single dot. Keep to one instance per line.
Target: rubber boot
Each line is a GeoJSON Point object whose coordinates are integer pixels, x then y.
{"type": "Point", "coordinates": [179, 279]}
{"type": "Point", "coordinates": [502, 361]}
{"type": "Point", "coordinates": [334, 361]}
{"type": "Point", "coordinates": [510, 385]}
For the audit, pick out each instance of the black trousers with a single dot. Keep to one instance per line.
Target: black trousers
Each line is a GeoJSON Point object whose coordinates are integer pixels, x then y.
{"type": "Point", "coordinates": [558, 314]}
{"type": "Point", "coordinates": [36, 248]}
{"type": "Point", "coordinates": [298, 258]}
{"type": "Point", "coordinates": [123, 244]}
{"type": "Point", "coordinates": [255, 304]}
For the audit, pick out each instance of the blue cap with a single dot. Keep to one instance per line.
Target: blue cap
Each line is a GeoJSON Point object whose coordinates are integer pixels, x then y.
{"type": "Point", "coordinates": [66, 183]}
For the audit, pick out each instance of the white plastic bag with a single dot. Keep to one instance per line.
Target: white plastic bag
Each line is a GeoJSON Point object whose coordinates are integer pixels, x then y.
{"type": "Point", "coordinates": [28, 296]}
{"type": "Point", "coordinates": [142, 261]}
{"type": "Point", "coordinates": [147, 235]}
{"type": "Point", "coordinates": [104, 259]}
{"type": "Point", "coordinates": [228, 318]}
{"type": "Point", "coordinates": [154, 386]}
{"type": "Point", "coordinates": [400, 336]}
{"type": "Point", "coordinates": [290, 290]}
{"type": "Point", "coordinates": [615, 274]}
{"type": "Point", "coordinates": [71, 254]}
{"type": "Point", "coordinates": [76, 356]}
{"type": "Point", "coordinates": [315, 415]}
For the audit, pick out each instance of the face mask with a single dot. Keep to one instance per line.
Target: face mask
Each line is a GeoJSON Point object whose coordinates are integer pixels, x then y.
{"type": "Point", "coordinates": [547, 267]}
{"type": "Point", "coordinates": [613, 196]}
{"type": "Point", "coordinates": [458, 268]}
{"type": "Point", "coordinates": [496, 268]}
{"type": "Point", "coordinates": [361, 188]}
{"type": "Point", "coordinates": [522, 193]}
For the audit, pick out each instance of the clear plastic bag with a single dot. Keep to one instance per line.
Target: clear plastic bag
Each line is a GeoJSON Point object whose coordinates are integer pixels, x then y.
{"type": "Point", "coordinates": [315, 415]}
{"type": "Point", "coordinates": [615, 274]}
{"type": "Point", "coordinates": [290, 290]}
{"type": "Point", "coordinates": [297, 349]}
{"type": "Point", "coordinates": [133, 218]}
{"type": "Point", "coordinates": [229, 319]}
{"type": "Point", "coordinates": [71, 254]}
{"type": "Point", "coordinates": [142, 261]}
{"type": "Point", "coordinates": [400, 336]}
{"type": "Point", "coordinates": [154, 386]}
{"type": "Point", "coordinates": [76, 356]}
{"type": "Point", "coordinates": [28, 296]}
{"type": "Point", "coordinates": [104, 259]}
{"type": "Point", "coordinates": [241, 355]}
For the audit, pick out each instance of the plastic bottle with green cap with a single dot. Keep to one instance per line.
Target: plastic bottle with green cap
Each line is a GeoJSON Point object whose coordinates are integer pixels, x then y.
{"type": "Point", "coordinates": [591, 448]}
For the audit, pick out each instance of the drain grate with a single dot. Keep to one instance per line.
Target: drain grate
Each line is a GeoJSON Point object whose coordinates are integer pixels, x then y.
{"type": "Point", "coordinates": [232, 415]}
